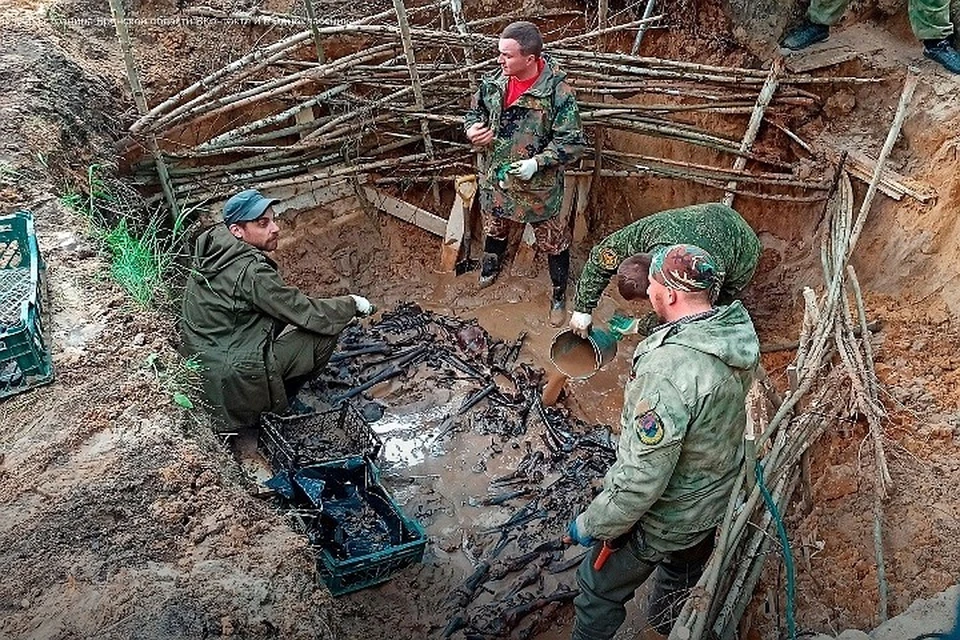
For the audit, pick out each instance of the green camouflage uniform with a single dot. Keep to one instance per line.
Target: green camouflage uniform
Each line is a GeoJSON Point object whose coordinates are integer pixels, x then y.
{"type": "Point", "coordinates": [543, 123]}
{"type": "Point", "coordinates": [929, 19]}
{"type": "Point", "coordinates": [714, 227]}
{"type": "Point", "coordinates": [235, 310]}
{"type": "Point", "coordinates": [679, 453]}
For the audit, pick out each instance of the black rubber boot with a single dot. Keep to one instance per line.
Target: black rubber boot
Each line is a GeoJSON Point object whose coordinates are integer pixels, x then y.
{"type": "Point", "coordinates": [559, 266]}
{"type": "Point", "coordinates": [943, 52]}
{"type": "Point", "coordinates": [493, 250]}
{"type": "Point", "coordinates": [805, 35]}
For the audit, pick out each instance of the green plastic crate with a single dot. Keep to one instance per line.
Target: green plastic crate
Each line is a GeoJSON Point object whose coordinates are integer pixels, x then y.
{"type": "Point", "coordinates": [345, 575]}
{"type": "Point", "coordinates": [24, 353]}
{"type": "Point", "coordinates": [293, 442]}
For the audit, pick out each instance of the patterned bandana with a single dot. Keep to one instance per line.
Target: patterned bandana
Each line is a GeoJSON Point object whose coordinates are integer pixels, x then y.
{"type": "Point", "coordinates": [684, 267]}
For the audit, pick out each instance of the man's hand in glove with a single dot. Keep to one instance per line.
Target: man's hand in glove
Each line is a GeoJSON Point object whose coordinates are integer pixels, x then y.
{"type": "Point", "coordinates": [524, 169]}
{"type": "Point", "coordinates": [576, 534]}
{"type": "Point", "coordinates": [580, 324]}
{"type": "Point", "coordinates": [621, 325]}
{"type": "Point", "coordinates": [364, 308]}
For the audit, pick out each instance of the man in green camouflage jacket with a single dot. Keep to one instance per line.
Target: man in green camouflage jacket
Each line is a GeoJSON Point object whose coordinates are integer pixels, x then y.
{"type": "Point", "coordinates": [679, 453]}
{"type": "Point", "coordinates": [714, 227]}
{"type": "Point", "coordinates": [525, 116]}
{"type": "Point", "coordinates": [235, 310]}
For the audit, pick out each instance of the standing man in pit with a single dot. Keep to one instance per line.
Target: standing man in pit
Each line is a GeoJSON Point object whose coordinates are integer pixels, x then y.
{"type": "Point", "coordinates": [525, 117]}
{"type": "Point", "coordinates": [679, 453]}
{"type": "Point", "coordinates": [929, 19]}
{"type": "Point", "coordinates": [714, 227]}
{"type": "Point", "coordinates": [258, 339]}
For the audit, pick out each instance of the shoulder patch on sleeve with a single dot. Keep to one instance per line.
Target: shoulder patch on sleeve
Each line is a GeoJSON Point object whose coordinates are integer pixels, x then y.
{"type": "Point", "coordinates": [649, 427]}
{"type": "Point", "coordinates": [608, 259]}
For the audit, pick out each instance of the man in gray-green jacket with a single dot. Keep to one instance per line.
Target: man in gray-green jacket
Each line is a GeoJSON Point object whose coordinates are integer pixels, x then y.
{"type": "Point", "coordinates": [679, 453]}
{"type": "Point", "coordinates": [235, 312]}
{"type": "Point", "coordinates": [714, 227]}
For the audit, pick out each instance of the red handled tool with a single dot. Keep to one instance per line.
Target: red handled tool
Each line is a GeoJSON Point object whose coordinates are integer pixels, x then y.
{"type": "Point", "coordinates": [605, 552]}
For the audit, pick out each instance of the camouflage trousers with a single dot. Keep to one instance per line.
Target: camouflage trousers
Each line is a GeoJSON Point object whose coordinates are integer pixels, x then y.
{"type": "Point", "coordinates": [601, 603]}
{"type": "Point", "coordinates": [929, 19]}
{"type": "Point", "coordinates": [553, 235]}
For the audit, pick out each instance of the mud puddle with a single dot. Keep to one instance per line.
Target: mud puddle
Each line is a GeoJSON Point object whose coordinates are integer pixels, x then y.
{"type": "Point", "coordinates": [472, 453]}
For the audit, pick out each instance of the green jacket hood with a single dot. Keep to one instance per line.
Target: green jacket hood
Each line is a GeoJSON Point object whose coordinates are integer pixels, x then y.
{"type": "Point", "coordinates": [216, 248]}
{"type": "Point", "coordinates": [728, 335]}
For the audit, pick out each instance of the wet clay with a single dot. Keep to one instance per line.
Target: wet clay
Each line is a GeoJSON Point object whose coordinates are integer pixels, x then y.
{"type": "Point", "coordinates": [553, 387]}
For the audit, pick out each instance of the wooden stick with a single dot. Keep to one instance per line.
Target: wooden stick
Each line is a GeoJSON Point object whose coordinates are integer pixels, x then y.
{"type": "Point", "coordinates": [647, 11]}
{"type": "Point", "coordinates": [120, 23]}
{"type": "Point", "coordinates": [407, 41]}
{"type": "Point", "coordinates": [312, 19]}
{"type": "Point", "coordinates": [766, 94]}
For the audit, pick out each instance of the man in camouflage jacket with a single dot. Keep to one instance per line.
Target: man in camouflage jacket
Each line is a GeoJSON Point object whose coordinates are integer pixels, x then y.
{"type": "Point", "coordinates": [679, 453]}
{"type": "Point", "coordinates": [235, 312]}
{"type": "Point", "coordinates": [525, 116]}
{"type": "Point", "coordinates": [714, 227]}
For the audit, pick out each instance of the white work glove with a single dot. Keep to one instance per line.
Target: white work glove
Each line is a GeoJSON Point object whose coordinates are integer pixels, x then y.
{"type": "Point", "coordinates": [364, 308]}
{"type": "Point", "coordinates": [580, 323]}
{"type": "Point", "coordinates": [524, 169]}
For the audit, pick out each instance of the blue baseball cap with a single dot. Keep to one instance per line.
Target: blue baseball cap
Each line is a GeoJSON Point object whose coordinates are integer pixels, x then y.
{"type": "Point", "coordinates": [245, 206]}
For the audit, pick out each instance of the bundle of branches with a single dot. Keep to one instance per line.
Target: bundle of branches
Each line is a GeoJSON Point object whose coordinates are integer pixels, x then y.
{"type": "Point", "coordinates": [392, 103]}
{"type": "Point", "coordinates": [834, 378]}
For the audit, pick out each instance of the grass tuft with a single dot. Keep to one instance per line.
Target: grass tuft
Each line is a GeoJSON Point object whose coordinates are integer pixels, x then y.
{"type": "Point", "coordinates": [143, 257]}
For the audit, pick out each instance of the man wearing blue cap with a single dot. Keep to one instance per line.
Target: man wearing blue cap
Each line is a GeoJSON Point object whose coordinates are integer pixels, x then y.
{"type": "Point", "coordinates": [258, 339]}
{"type": "Point", "coordinates": [679, 453]}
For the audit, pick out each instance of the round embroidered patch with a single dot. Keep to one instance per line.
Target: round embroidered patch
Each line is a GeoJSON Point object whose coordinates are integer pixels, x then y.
{"type": "Point", "coordinates": [650, 428]}
{"type": "Point", "coordinates": [608, 259]}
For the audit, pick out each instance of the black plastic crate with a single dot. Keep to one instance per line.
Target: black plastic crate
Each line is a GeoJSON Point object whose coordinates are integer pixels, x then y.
{"type": "Point", "coordinates": [24, 353]}
{"type": "Point", "coordinates": [300, 441]}
{"type": "Point", "coordinates": [344, 564]}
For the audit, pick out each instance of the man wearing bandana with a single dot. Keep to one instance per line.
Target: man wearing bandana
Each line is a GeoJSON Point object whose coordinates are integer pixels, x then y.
{"type": "Point", "coordinates": [714, 227]}
{"type": "Point", "coordinates": [679, 453]}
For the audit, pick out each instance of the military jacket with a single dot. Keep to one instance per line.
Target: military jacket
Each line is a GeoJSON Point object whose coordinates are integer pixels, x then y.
{"type": "Point", "coordinates": [234, 307]}
{"type": "Point", "coordinates": [714, 227]}
{"type": "Point", "coordinates": [683, 420]}
{"type": "Point", "coordinates": [543, 123]}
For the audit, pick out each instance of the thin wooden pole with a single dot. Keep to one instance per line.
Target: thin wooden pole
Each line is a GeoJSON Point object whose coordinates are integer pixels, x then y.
{"type": "Point", "coordinates": [647, 11]}
{"type": "Point", "coordinates": [120, 22]}
{"type": "Point", "coordinates": [308, 5]}
{"type": "Point", "coordinates": [407, 41]}
{"type": "Point", "coordinates": [766, 95]}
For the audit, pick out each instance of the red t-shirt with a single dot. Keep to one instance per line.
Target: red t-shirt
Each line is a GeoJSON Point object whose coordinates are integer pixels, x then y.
{"type": "Point", "coordinates": [515, 88]}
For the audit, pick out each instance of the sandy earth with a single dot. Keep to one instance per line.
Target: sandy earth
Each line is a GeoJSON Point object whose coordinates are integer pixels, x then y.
{"type": "Point", "coordinates": [122, 517]}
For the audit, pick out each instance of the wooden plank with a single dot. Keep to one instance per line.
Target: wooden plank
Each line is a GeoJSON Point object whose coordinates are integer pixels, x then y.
{"type": "Point", "coordinates": [406, 211]}
{"type": "Point", "coordinates": [523, 263]}
{"type": "Point", "coordinates": [302, 197]}
{"type": "Point", "coordinates": [466, 187]}
{"type": "Point", "coordinates": [581, 225]}
{"type": "Point", "coordinates": [864, 165]}
{"type": "Point", "coordinates": [819, 59]}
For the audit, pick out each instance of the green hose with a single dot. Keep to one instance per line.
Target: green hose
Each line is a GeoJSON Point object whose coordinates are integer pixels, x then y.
{"type": "Point", "coordinates": [785, 545]}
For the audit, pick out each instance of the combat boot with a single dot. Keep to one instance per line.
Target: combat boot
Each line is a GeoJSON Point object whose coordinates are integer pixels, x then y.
{"type": "Point", "coordinates": [559, 267]}
{"type": "Point", "coordinates": [558, 306]}
{"type": "Point", "coordinates": [805, 35]}
{"type": "Point", "coordinates": [943, 52]}
{"type": "Point", "coordinates": [493, 250]}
